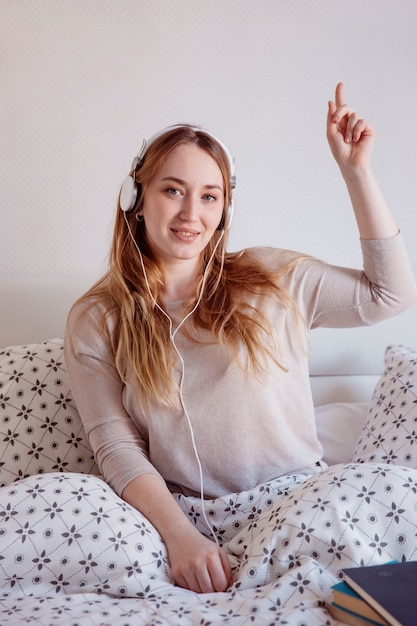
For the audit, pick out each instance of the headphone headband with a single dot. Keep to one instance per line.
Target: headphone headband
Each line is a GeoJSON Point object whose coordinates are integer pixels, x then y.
{"type": "Point", "coordinates": [129, 190]}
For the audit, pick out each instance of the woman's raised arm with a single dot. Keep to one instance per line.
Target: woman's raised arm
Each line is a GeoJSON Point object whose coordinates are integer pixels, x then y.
{"type": "Point", "coordinates": [351, 140]}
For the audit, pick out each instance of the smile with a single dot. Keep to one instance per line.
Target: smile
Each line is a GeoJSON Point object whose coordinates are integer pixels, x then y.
{"type": "Point", "coordinates": [188, 234]}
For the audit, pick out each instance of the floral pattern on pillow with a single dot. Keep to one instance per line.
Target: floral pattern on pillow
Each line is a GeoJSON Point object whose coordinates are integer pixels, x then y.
{"type": "Point", "coordinates": [40, 428]}
{"type": "Point", "coordinates": [390, 431]}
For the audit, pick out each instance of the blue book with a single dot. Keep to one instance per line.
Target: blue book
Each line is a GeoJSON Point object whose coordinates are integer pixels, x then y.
{"type": "Point", "coordinates": [345, 598]}
{"type": "Point", "coordinates": [390, 589]}
{"type": "Point", "coordinates": [348, 617]}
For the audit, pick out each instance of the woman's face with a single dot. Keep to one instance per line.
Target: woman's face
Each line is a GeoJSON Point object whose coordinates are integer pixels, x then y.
{"type": "Point", "coordinates": [183, 204]}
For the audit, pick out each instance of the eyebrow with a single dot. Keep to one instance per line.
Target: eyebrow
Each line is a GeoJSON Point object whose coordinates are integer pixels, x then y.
{"type": "Point", "coordinates": [183, 182]}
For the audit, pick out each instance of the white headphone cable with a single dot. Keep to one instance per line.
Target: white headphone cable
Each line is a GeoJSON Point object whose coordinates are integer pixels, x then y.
{"type": "Point", "coordinates": [172, 338]}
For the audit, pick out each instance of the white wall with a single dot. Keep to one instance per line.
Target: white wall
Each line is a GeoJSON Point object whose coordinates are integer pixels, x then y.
{"type": "Point", "coordinates": [83, 81]}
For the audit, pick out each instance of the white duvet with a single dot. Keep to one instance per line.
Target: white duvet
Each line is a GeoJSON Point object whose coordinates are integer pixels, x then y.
{"type": "Point", "coordinates": [74, 554]}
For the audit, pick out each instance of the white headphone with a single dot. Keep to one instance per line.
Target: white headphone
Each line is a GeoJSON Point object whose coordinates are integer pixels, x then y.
{"type": "Point", "coordinates": [130, 189]}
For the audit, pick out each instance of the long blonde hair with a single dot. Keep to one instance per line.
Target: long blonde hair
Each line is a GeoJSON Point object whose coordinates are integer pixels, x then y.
{"type": "Point", "coordinates": [141, 336]}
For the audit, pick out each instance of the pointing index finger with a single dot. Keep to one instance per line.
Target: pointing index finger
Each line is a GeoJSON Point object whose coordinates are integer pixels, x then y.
{"type": "Point", "coordinates": [339, 96]}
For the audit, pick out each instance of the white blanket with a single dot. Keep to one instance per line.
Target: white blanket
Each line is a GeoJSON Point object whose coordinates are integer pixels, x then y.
{"type": "Point", "coordinates": [93, 560]}
{"type": "Point", "coordinates": [72, 553]}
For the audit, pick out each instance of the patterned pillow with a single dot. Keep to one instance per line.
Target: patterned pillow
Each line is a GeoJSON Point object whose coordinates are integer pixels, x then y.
{"type": "Point", "coordinates": [390, 431]}
{"type": "Point", "coordinates": [40, 428]}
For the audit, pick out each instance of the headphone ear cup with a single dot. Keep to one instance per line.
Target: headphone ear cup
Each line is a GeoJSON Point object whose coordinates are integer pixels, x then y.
{"type": "Point", "coordinates": [128, 194]}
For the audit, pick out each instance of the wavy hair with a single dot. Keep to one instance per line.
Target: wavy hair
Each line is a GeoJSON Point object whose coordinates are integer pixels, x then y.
{"type": "Point", "coordinates": [141, 337]}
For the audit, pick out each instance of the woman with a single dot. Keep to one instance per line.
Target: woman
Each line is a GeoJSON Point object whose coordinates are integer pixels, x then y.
{"type": "Point", "coordinates": [188, 364]}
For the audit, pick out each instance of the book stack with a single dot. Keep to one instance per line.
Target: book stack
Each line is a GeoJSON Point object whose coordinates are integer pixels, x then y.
{"type": "Point", "coordinates": [383, 595]}
{"type": "Point", "coordinates": [348, 607]}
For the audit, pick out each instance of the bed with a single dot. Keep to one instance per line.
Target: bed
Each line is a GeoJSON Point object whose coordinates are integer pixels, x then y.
{"type": "Point", "coordinates": [75, 554]}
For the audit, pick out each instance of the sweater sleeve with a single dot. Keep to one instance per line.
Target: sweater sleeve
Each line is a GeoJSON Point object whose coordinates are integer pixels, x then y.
{"type": "Point", "coordinates": [119, 447]}
{"type": "Point", "coordinates": [340, 297]}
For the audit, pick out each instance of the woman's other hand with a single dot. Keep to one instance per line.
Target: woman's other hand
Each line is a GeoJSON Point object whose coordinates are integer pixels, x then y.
{"type": "Point", "coordinates": [351, 138]}
{"type": "Point", "coordinates": [197, 563]}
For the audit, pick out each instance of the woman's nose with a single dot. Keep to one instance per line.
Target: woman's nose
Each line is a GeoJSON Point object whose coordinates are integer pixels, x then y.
{"type": "Point", "coordinates": [189, 209]}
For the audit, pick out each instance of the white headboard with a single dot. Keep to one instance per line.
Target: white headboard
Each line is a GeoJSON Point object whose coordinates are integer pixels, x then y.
{"type": "Point", "coordinates": [344, 365]}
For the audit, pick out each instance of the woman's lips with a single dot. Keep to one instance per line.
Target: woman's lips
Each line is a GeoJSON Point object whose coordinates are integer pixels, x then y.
{"type": "Point", "coordinates": [184, 234]}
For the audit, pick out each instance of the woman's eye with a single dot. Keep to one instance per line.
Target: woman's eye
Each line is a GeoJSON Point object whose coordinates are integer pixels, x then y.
{"type": "Point", "coordinates": [209, 197]}
{"type": "Point", "coordinates": [173, 191]}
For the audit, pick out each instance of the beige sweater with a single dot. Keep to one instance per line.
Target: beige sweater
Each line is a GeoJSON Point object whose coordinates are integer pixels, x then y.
{"type": "Point", "coordinates": [247, 430]}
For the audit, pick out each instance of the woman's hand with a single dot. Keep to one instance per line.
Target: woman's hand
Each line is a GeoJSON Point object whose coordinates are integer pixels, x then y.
{"type": "Point", "coordinates": [350, 137]}
{"type": "Point", "coordinates": [351, 141]}
{"type": "Point", "coordinates": [198, 564]}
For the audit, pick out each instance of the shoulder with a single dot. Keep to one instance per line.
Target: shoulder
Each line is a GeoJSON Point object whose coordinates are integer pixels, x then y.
{"type": "Point", "coordinates": [274, 258]}
{"type": "Point", "coordinates": [91, 320]}
{"type": "Point", "coordinates": [89, 307]}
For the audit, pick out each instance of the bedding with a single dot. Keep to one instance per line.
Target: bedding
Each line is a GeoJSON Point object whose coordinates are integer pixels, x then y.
{"type": "Point", "coordinates": [390, 430]}
{"type": "Point", "coordinates": [73, 553]}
